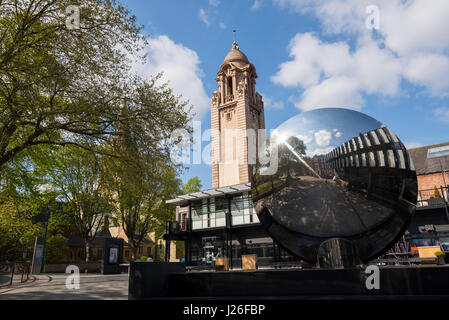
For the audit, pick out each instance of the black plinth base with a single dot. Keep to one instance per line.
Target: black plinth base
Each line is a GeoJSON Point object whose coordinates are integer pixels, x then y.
{"type": "Point", "coordinates": [150, 279]}
{"type": "Point", "coordinates": [395, 282]}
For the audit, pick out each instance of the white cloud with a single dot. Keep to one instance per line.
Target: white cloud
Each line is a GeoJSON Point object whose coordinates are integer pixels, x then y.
{"type": "Point", "coordinates": [333, 76]}
{"type": "Point", "coordinates": [180, 67]}
{"type": "Point", "coordinates": [214, 3]}
{"type": "Point", "coordinates": [320, 151]}
{"type": "Point", "coordinates": [406, 25]}
{"type": "Point", "coordinates": [338, 134]}
{"type": "Point", "coordinates": [442, 114]}
{"type": "Point", "coordinates": [338, 92]}
{"type": "Point", "coordinates": [222, 25]}
{"type": "Point", "coordinates": [430, 71]}
{"type": "Point", "coordinates": [271, 104]}
{"type": "Point", "coordinates": [412, 44]}
{"type": "Point", "coordinates": [323, 138]}
{"type": "Point", "coordinates": [256, 5]}
{"type": "Point", "coordinates": [415, 26]}
{"type": "Point", "coordinates": [304, 138]}
{"type": "Point", "coordinates": [203, 16]}
{"type": "Point", "coordinates": [411, 145]}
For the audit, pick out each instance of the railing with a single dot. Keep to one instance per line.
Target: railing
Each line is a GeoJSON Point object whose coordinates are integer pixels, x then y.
{"type": "Point", "coordinates": [433, 198]}
{"type": "Point", "coordinates": [229, 98]}
{"type": "Point", "coordinates": [10, 270]}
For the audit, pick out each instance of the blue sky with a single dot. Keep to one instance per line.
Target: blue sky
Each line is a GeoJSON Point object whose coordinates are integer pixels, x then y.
{"type": "Point", "coordinates": [310, 54]}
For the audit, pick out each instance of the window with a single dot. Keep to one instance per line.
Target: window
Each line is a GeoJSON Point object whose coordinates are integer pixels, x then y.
{"type": "Point", "coordinates": [184, 221]}
{"type": "Point", "coordinates": [197, 212]}
{"type": "Point", "coordinates": [230, 91]}
{"type": "Point", "coordinates": [209, 213]}
{"type": "Point", "coordinates": [126, 253]}
{"type": "Point", "coordinates": [221, 206]}
{"type": "Point", "coordinates": [242, 210]}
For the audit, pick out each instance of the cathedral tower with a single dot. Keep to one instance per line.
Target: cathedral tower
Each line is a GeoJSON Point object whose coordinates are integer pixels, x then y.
{"type": "Point", "coordinates": [236, 107]}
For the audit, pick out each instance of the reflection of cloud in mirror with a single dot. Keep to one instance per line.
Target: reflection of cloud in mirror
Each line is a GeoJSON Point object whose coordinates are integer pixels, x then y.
{"type": "Point", "coordinates": [320, 151]}
{"type": "Point", "coordinates": [304, 138]}
{"type": "Point", "coordinates": [323, 138]}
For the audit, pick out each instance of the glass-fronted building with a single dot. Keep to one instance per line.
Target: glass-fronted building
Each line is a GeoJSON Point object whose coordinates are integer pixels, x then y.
{"type": "Point", "coordinates": [222, 222]}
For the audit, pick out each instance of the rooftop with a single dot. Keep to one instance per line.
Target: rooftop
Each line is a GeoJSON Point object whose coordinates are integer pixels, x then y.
{"type": "Point", "coordinates": [235, 55]}
{"type": "Point", "coordinates": [427, 165]}
{"type": "Point", "coordinates": [184, 199]}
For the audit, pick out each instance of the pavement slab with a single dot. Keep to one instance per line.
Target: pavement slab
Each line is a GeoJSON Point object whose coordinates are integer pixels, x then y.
{"type": "Point", "coordinates": [53, 287]}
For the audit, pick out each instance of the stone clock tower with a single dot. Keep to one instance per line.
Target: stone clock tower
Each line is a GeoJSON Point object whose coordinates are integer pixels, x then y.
{"type": "Point", "coordinates": [236, 109]}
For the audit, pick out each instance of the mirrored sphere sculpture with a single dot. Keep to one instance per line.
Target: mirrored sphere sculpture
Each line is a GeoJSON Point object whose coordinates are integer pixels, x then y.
{"type": "Point", "coordinates": [334, 180]}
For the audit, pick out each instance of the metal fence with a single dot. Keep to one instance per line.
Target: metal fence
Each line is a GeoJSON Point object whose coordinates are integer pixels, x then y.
{"type": "Point", "coordinates": [9, 272]}
{"type": "Point", "coordinates": [434, 198]}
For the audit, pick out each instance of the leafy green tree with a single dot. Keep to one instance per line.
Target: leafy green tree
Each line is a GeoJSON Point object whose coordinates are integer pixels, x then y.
{"type": "Point", "coordinates": [192, 185]}
{"type": "Point", "coordinates": [78, 177]}
{"type": "Point", "coordinates": [139, 182]}
{"type": "Point", "coordinates": [436, 192]}
{"type": "Point", "coordinates": [64, 86]}
{"type": "Point", "coordinates": [56, 249]}
{"type": "Point", "coordinates": [287, 159]}
{"type": "Point", "coordinates": [17, 232]}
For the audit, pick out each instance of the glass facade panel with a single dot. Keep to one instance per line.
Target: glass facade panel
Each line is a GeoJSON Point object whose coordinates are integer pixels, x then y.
{"type": "Point", "coordinates": [221, 205]}
{"type": "Point", "coordinates": [242, 210]}
{"type": "Point", "coordinates": [211, 212]}
{"type": "Point", "coordinates": [197, 214]}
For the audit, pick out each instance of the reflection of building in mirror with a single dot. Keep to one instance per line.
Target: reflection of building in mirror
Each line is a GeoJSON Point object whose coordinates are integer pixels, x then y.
{"type": "Point", "coordinates": [376, 148]}
{"type": "Point", "coordinates": [320, 165]}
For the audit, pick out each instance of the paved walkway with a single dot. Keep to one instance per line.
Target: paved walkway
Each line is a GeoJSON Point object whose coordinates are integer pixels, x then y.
{"type": "Point", "coordinates": [53, 287]}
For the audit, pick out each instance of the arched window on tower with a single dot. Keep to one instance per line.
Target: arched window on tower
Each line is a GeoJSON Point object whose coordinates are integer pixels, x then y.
{"type": "Point", "coordinates": [230, 89]}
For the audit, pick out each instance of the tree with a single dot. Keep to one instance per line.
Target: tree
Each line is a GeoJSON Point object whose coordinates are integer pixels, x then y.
{"type": "Point", "coordinates": [67, 87]}
{"type": "Point", "coordinates": [77, 175]}
{"type": "Point", "coordinates": [56, 248]}
{"type": "Point", "coordinates": [287, 159]}
{"type": "Point", "coordinates": [436, 192]}
{"type": "Point", "coordinates": [139, 182]}
{"type": "Point", "coordinates": [17, 232]}
{"type": "Point", "coordinates": [62, 87]}
{"type": "Point", "coordinates": [192, 185]}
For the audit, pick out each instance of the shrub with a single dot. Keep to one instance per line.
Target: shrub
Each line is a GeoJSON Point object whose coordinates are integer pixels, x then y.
{"type": "Point", "coordinates": [436, 192]}
{"type": "Point", "coordinates": [143, 258]}
{"type": "Point", "coordinates": [56, 249]}
{"type": "Point", "coordinates": [439, 254]}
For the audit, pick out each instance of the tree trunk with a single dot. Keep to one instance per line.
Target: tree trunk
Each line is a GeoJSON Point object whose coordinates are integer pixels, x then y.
{"type": "Point", "coordinates": [88, 250]}
{"type": "Point", "coordinates": [134, 251]}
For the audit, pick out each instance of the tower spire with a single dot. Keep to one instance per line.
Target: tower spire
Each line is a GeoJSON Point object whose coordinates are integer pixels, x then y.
{"type": "Point", "coordinates": [234, 44]}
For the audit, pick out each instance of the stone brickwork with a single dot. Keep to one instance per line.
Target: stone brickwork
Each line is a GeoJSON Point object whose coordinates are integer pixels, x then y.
{"type": "Point", "coordinates": [235, 108]}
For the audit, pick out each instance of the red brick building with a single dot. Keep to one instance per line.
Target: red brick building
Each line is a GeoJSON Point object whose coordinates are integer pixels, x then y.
{"type": "Point", "coordinates": [430, 225]}
{"type": "Point", "coordinates": [432, 169]}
